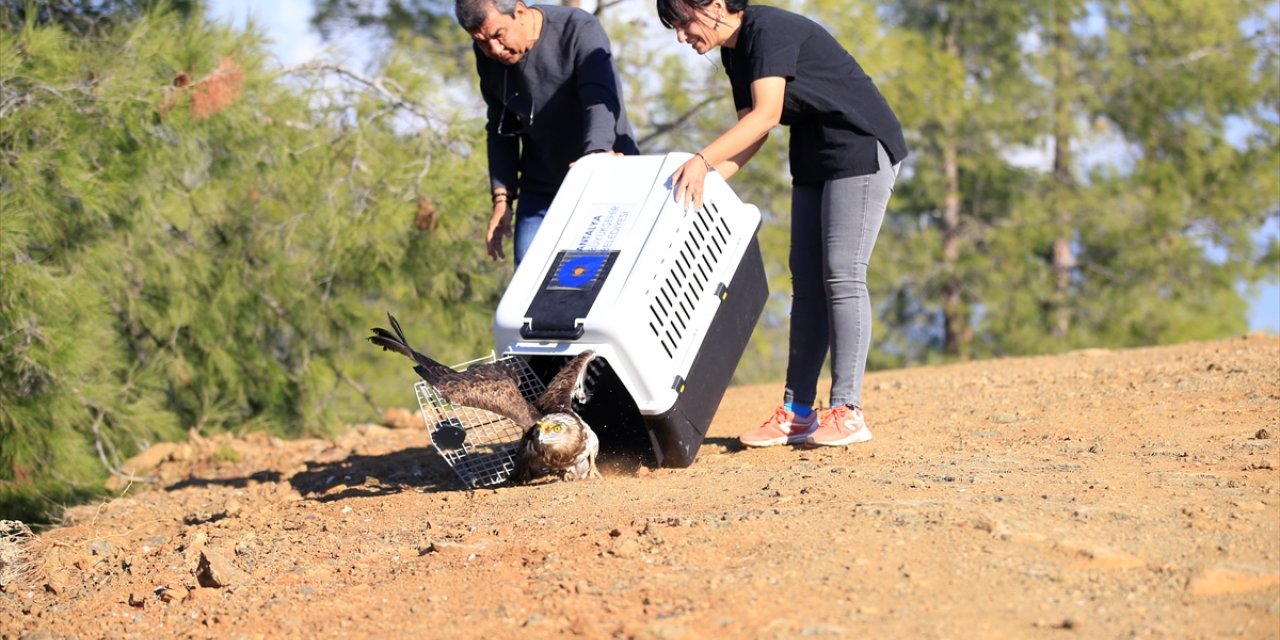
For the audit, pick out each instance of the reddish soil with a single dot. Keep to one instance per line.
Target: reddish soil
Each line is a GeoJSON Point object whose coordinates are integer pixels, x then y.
{"type": "Point", "coordinates": [1097, 494]}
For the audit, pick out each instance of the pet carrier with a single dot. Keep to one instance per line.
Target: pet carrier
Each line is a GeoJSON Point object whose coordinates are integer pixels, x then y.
{"type": "Point", "coordinates": [666, 297]}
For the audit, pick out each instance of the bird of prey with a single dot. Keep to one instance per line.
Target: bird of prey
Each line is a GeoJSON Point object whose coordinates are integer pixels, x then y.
{"type": "Point", "coordinates": [555, 438]}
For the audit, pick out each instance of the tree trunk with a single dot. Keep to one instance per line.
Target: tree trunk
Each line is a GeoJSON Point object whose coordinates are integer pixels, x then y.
{"type": "Point", "coordinates": [1063, 260]}
{"type": "Point", "coordinates": [957, 333]}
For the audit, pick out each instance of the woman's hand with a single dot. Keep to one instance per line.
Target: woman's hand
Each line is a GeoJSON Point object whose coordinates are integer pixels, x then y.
{"type": "Point", "coordinates": [499, 228]}
{"type": "Point", "coordinates": [734, 147]}
{"type": "Point", "coordinates": [689, 181]}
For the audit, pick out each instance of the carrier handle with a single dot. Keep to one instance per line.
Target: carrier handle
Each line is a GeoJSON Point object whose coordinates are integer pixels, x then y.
{"type": "Point", "coordinates": [529, 333]}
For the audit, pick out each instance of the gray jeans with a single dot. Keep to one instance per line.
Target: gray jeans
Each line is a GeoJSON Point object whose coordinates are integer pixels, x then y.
{"type": "Point", "coordinates": [833, 230]}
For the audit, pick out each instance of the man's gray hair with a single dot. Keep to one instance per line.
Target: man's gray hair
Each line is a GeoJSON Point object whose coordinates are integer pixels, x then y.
{"type": "Point", "coordinates": [472, 13]}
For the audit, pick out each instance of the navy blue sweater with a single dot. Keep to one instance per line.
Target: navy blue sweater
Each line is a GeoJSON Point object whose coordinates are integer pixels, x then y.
{"type": "Point", "coordinates": [561, 101]}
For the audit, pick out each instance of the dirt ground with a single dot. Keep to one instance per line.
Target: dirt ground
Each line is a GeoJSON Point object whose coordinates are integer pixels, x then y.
{"type": "Point", "coordinates": [1097, 494]}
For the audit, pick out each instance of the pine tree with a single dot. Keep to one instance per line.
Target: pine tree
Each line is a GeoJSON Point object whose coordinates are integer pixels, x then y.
{"type": "Point", "coordinates": [962, 93]}
{"type": "Point", "coordinates": [1190, 89]}
{"type": "Point", "coordinates": [192, 240]}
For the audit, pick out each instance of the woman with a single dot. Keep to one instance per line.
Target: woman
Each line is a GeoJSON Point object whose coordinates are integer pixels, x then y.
{"type": "Point", "coordinates": [846, 147]}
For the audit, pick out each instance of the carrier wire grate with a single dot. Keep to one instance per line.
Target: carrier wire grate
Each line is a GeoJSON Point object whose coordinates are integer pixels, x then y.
{"type": "Point", "coordinates": [478, 445]}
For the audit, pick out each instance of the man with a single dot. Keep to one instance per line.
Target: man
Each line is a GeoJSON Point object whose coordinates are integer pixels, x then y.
{"type": "Point", "coordinates": [547, 76]}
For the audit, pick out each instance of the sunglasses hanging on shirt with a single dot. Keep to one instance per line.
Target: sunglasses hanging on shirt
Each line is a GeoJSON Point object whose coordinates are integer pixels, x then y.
{"type": "Point", "coordinates": [517, 110]}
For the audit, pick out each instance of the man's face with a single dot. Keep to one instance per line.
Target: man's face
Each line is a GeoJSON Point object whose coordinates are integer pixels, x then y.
{"type": "Point", "coordinates": [505, 38]}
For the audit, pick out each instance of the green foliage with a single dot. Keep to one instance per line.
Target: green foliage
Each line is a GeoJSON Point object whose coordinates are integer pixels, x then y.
{"type": "Point", "coordinates": [83, 17]}
{"type": "Point", "coordinates": [189, 240]}
{"type": "Point", "coordinates": [393, 17]}
{"type": "Point", "coordinates": [1159, 227]}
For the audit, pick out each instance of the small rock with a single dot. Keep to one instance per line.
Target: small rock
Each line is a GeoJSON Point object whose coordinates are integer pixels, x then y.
{"type": "Point", "coordinates": [1221, 580]}
{"type": "Point", "coordinates": [448, 546]}
{"type": "Point", "coordinates": [216, 571]}
{"type": "Point", "coordinates": [1110, 559]}
{"type": "Point", "coordinates": [1065, 623]}
{"type": "Point", "coordinates": [1262, 434]}
{"type": "Point", "coordinates": [398, 418]}
{"type": "Point", "coordinates": [191, 556]}
{"type": "Point", "coordinates": [625, 548]}
{"type": "Point", "coordinates": [177, 594]}
{"type": "Point", "coordinates": [146, 461]}
{"type": "Point", "coordinates": [103, 549]}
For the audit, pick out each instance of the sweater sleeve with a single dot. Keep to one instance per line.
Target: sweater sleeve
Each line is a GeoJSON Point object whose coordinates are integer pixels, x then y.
{"type": "Point", "coordinates": [503, 151]}
{"type": "Point", "coordinates": [597, 86]}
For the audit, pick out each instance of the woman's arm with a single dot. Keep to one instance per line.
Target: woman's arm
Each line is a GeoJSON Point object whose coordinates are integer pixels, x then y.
{"type": "Point", "coordinates": [727, 168]}
{"type": "Point", "coordinates": [734, 147]}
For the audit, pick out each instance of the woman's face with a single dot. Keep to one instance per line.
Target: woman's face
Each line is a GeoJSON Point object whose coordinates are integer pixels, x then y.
{"type": "Point", "coordinates": [700, 31]}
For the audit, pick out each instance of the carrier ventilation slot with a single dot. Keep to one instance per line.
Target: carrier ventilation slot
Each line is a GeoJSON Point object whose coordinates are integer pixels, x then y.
{"type": "Point", "coordinates": [683, 279]}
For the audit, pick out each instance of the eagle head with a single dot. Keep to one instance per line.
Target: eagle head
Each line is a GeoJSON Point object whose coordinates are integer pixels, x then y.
{"type": "Point", "coordinates": [556, 428]}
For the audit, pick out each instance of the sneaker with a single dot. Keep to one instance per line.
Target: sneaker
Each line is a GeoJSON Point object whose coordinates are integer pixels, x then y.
{"type": "Point", "coordinates": [842, 426]}
{"type": "Point", "coordinates": [781, 428]}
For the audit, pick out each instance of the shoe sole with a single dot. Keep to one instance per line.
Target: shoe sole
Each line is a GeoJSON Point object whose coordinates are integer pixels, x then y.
{"type": "Point", "coordinates": [795, 438]}
{"type": "Point", "coordinates": [861, 435]}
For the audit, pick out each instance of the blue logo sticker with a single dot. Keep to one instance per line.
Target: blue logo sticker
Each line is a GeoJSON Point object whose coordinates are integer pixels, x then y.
{"type": "Point", "coordinates": [578, 271]}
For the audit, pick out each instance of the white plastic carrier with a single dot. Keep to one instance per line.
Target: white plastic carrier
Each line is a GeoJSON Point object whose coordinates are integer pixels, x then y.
{"type": "Point", "coordinates": [667, 297]}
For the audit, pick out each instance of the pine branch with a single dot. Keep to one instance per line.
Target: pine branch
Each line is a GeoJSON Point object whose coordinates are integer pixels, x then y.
{"type": "Point", "coordinates": [1205, 52]}
{"type": "Point", "coordinates": [385, 87]}
{"type": "Point", "coordinates": [600, 8]}
{"type": "Point", "coordinates": [665, 127]}
{"type": "Point", "coordinates": [102, 455]}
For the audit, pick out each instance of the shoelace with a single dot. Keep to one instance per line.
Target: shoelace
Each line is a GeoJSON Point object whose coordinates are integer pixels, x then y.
{"type": "Point", "coordinates": [779, 417]}
{"type": "Point", "coordinates": [845, 418]}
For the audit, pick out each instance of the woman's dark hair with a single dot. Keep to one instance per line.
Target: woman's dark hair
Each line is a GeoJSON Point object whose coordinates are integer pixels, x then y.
{"type": "Point", "coordinates": [674, 13]}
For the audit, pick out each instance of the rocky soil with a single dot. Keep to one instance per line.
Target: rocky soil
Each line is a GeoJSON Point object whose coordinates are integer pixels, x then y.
{"type": "Point", "coordinates": [1097, 494]}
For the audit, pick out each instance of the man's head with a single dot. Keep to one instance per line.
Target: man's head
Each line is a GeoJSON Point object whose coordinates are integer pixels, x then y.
{"type": "Point", "coordinates": [504, 29]}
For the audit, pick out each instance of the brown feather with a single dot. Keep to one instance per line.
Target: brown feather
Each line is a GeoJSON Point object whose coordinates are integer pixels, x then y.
{"type": "Point", "coordinates": [493, 387]}
{"type": "Point", "coordinates": [558, 398]}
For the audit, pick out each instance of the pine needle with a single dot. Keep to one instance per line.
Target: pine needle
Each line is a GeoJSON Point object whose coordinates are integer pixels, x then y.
{"type": "Point", "coordinates": [17, 545]}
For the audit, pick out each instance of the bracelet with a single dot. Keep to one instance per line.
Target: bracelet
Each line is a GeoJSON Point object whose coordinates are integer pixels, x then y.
{"type": "Point", "coordinates": [704, 160]}
{"type": "Point", "coordinates": [501, 195]}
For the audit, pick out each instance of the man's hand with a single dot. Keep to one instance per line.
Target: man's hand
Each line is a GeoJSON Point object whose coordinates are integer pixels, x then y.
{"type": "Point", "coordinates": [499, 228]}
{"type": "Point", "coordinates": [607, 153]}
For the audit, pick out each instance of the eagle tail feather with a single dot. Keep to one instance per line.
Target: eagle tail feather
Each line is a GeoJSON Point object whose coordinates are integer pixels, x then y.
{"type": "Point", "coordinates": [429, 369]}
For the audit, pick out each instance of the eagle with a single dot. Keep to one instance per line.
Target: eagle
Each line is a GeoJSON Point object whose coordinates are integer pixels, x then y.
{"type": "Point", "coordinates": [555, 438]}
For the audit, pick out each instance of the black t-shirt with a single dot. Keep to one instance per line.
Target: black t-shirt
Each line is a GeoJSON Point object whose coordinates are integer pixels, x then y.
{"type": "Point", "coordinates": [835, 111]}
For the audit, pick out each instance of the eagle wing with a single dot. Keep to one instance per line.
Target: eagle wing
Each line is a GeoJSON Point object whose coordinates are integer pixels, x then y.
{"type": "Point", "coordinates": [566, 386]}
{"type": "Point", "coordinates": [493, 387]}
